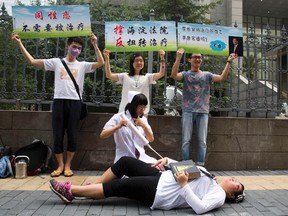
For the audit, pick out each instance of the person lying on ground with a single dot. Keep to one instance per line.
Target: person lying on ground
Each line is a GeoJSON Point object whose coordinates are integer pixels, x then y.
{"type": "Point", "coordinates": [156, 189]}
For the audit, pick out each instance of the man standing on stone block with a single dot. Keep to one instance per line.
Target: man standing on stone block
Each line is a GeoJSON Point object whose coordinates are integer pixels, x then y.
{"type": "Point", "coordinates": [195, 101]}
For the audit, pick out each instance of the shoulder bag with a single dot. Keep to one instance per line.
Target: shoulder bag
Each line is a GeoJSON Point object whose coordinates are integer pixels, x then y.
{"type": "Point", "coordinates": [84, 110]}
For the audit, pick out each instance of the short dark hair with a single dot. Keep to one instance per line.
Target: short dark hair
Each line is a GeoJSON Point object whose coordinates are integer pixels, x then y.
{"type": "Point", "coordinates": [132, 59]}
{"type": "Point", "coordinates": [138, 99]}
{"type": "Point", "coordinates": [74, 39]}
{"type": "Point", "coordinates": [238, 196]}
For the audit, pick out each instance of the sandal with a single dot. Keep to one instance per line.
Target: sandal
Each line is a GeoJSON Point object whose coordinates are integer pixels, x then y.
{"type": "Point", "coordinates": [56, 173]}
{"type": "Point", "coordinates": [68, 173]}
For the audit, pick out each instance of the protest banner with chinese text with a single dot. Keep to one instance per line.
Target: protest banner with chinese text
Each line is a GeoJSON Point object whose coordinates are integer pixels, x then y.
{"type": "Point", "coordinates": [51, 21]}
{"type": "Point", "coordinates": [206, 39]}
{"type": "Point", "coordinates": [140, 36]}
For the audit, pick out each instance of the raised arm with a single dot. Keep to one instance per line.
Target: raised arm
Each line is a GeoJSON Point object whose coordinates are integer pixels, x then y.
{"type": "Point", "coordinates": [29, 58]}
{"type": "Point", "coordinates": [99, 58]}
{"type": "Point", "coordinates": [224, 74]}
{"type": "Point", "coordinates": [175, 75]}
{"type": "Point", "coordinates": [161, 72]}
{"type": "Point", "coordinates": [109, 74]}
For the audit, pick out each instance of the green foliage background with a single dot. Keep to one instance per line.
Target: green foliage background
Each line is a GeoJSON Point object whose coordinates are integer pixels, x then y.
{"type": "Point", "coordinates": [25, 82]}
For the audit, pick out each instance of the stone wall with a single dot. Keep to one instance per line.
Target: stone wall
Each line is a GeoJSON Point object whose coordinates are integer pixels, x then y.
{"type": "Point", "coordinates": [233, 143]}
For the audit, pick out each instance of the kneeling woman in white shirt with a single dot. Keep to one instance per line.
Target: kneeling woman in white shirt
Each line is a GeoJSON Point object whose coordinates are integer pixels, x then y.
{"type": "Point", "coordinates": [156, 189]}
{"type": "Point", "coordinates": [127, 142]}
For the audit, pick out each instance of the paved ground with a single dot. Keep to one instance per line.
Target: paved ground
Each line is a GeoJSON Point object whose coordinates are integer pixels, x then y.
{"type": "Point", "coordinates": [266, 194]}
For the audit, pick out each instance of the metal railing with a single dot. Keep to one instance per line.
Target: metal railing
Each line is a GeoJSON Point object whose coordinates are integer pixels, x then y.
{"type": "Point", "coordinates": [256, 86]}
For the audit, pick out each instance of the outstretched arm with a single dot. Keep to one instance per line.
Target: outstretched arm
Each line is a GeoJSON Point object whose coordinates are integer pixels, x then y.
{"type": "Point", "coordinates": [223, 76]}
{"type": "Point", "coordinates": [29, 59]}
{"type": "Point", "coordinates": [99, 57]}
{"type": "Point", "coordinates": [161, 72]}
{"type": "Point", "coordinates": [109, 74]}
{"type": "Point", "coordinates": [175, 75]}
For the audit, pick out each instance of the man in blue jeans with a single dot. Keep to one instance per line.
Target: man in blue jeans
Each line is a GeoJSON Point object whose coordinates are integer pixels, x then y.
{"type": "Point", "coordinates": [195, 101]}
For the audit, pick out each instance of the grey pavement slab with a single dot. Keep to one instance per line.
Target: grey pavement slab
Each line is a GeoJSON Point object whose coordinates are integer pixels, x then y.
{"type": "Point", "coordinates": [270, 198]}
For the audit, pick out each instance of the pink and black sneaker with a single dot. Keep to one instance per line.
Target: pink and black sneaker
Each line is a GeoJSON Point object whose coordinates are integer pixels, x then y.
{"type": "Point", "coordinates": [62, 189]}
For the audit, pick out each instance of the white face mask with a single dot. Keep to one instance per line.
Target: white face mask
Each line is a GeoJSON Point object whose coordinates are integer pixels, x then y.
{"type": "Point", "coordinates": [75, 52]}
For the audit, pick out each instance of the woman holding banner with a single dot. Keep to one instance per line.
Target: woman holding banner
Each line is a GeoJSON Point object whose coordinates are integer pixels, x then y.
{"type": "Point", "coordinates": [128, 139]}
{"type": "Point", "coordinates": [135, 80]}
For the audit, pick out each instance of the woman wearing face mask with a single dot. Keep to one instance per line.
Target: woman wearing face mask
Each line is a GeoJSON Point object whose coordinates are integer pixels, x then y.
{"type": "Point", "coordinates": [66, 103]}
{"type": "Point", "coordinates": [135, 80]}
{"type": "Point", "coordinates": [127, 142]}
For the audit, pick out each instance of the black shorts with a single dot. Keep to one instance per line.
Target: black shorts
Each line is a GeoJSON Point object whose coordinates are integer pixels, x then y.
{"type": "Point", "coordinates": [65, 118]}
{"type": "Point", "coordinates": [140, 185]}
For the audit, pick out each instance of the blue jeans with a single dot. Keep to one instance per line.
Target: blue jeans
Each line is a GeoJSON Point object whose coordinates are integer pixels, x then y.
{"type": "Point", "coordinates": [201, 120]}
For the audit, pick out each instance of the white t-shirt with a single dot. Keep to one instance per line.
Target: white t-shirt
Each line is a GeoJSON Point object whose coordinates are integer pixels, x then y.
{"type": "Point", "coordinates": [64, 86]}
{"type": "Point", "coordinates": [139, 83]}
{"type": "Point", "coordinates": [202, 194]}
{"type": "Point", "coordinates": [126, 141]}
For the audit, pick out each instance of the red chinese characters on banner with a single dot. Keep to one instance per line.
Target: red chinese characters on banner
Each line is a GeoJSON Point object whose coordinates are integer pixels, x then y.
{"type": "Point", "coordinates": [66, 15]}
{"type": "Point", "coordinates": [39, 15]}
{"type": "Point", "coordinates": [52, 15]}
{"type": "Point", "coordinates": [119, 29]}
{"type": "Point", "coordinates": [119, 42]}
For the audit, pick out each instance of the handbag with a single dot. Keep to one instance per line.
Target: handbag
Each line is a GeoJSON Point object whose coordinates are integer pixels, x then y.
{"type": "Point", "coordinates": [84, 111]}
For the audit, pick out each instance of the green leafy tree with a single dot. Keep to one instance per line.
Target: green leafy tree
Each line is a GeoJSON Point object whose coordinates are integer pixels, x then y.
{"type": "Point", "coordinates": [106, 11]}
{"type": "Point", "coordinates": [177, 9]}
{"type": "Point", "coordinates": [101, 11]}
{"type": "Point", "coordinates": [34, 3]}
